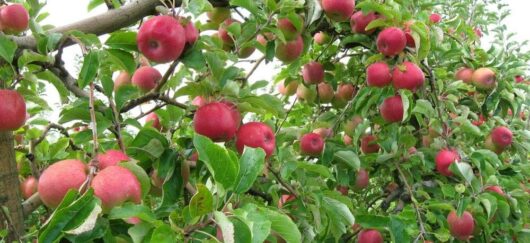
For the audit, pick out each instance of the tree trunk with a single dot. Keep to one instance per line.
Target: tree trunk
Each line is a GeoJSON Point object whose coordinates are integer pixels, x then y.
{"type": "Point", "coordinates": [9, 189]}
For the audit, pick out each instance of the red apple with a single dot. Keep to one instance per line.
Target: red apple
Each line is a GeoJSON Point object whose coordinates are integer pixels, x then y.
{"type": "Point", "coordinates": [325, 92]}
{"type": "Point", "coordinates": [12, 110]}
{"type": "Point", "coordinates": [408, 34]}
{"type": "Point", "coordinates": [496, 189]}
{"type": "Point", "coordinates": [60, 177]}
{"type": "Point", "coordinates": [519, 79]}
{"type": "Point", "coordinates": [289, 51]}
{"type": "Point", "coordinates": [115, 185]}
{"type": "Point", "coordinates": [146, 78]}
{"type": "Point", "coordinates": [223, 32]}
{"type": "Point", "coordinates": [256, 135]}
{"type": "Point", "coordinates": [311, 144]}
{"type": "Point", "coordinates": [378, 74]}
{"type": "Point", "coordinates": [407, 76]}
{"type": "Point", "coordinates": [478, 32]}
{"type": "Point", "coordinates": [338, 10]}
{"type": "Point", "coordinates": [359, 21]}
{"type": "Point", "coordinates": [218, 15]}
{"type": "Point", "coordinates": [313, 73]}
{"type": "Point", "coordinates": [343, 190]}
{"type": "Point", "coordinates": [290, 32]}
{"type": "Point", "coordinates": [362, 179]}
{"type": "Point", "coordinates": [501, 137]}
{"type": "Point", "coordinates": [369, 236]}
{"type": "Point", "coordinates": [192, 34]}
{"type": "Point", "coordinates": [216, 121]}
{"type": "Point", "coordinates": [124, 78]}
{"type": "Point", "coordinates": [199, 101]}
{"type": "Point", "coordinates": [161, 39]}
{"type": "Point", "coordinates": [369, 144]}
{"type": "Point", "coordinates": [111, 157]}
{"type": "Point", "coordinates": [392, 109]}
{"type": "Point", "coordinates": [153, 117]}
{"type": "Point", "coordinates": [465, 74]}
{"type": "Point", "coordinates": [435, 18]}
{"type": "Point", "coordinates": [444, 159]}
{"type": "Point", "coordinates": [484, 79]}
{"type": "Point", "coordinates": [391, 41]}
{"type": "Point", "coordinates": [14, 18]}
{"type": "Point", "coordinates": [461, 227]}
{"type": "Point", "coordinates": [28, 187]}
{"type": "Point", "coordinates": [288, 90]}
{"type": "Point", "coordinates": [321, 38]}
{"type": "Point", "coordinates": [285, 199]}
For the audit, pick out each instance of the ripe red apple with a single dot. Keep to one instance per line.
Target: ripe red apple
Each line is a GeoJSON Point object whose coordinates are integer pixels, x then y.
{"type": "Point", "coordinates": [192, 34]}
{"type": "Point", "coordinates": [501, 137]}
{"type": "Point", "coordinates": [311, 144]}
{"type": "Point", "coordinates": [519, 79]}
{"type": "Point", "coordinates": [60, 177]}
{"type": "Point", "coordinates": [153, 117]}
{"type": "Point", "coordinates": [305, 93]}
{"type": "Point", "coordinates": [115, 185]}
{"type": "Point", "coordinates": [391, 41]}
{"type": "Point", "coordinates": [325, 92]}
{"type": "Point", "coordinates": [324, 132]}
{"type": "Point", "coordinates": [256, 135]}
{"type": "Point", "coordinates": [343, 190]}
{"type": "Point", "coordinates": [285, 198]}
{"type": "Point", "coordinates": [338, 10]}
{"type": "Point", "coordinates": [13, 110]}
{"type": "Point", "coordinates": [223, 32]}
{"type": "Point", "coordinates": [289, 51]}
{"type": "Point", "coordinates": [347, 140]}
{"type": "Point", "coordinates": [199, 101]}
{"type": "Point", "coordinates": [350, 125]}
{"type": "Point", "coordinates": [362, 179]}
{"type": "Point", "coordinates": [28, 187]}
{"type": "Point", "coordinates": [408, 34]}
{"type": "Point", "coordinates": [216, 121]}
{"type": "Point", "coordinates": [465, 74]}
{"type": "Point", "coordinates": [321, 38]}
{"type": "Point", "coordinates": [369, 144]}
{"type": "Point", "coordinates": [218, 15]}
{"type": "Point", "coordinates": [290, 32]}
{"type": "Point", "coordinates": [435, 18]}
{"type": "Point", "coordinates": [234, 111]}
{"type": "Point", "coordinates": [111, 157]}
{"type": "Point", "coordinates": [313, 73]}
{"type": "Point", "coordinates": [496, 189]}
{"type": "Point", "coordinates": [444, 159]}
{"type": "Point", "coordinates": [369, 236]}
{"type": "Point", "coordinates": [288, 90]}
{"type": "Point", "coordinates": [345, 92]}
{"type": "Point", "coordinates": [407, 76]}
{"type": "Point", "coordinates": [392, 109]}
{"type": "Point", "coordinates": [124, 78]}
{"type": "Point", "coordinates": [484, 79]}
{"type": "Point", "coordinates": [146, 78]}
{"type": "Point", "coordinates": [378, 74]}
{"type": "Point", "coordinates": [461, 227]}
{"type": "Point", "coordinates": [359, 21]}
{"type": "Point", "coordinates": [14, 18]}
{"type": "Point", "coordinates": [161, 39]}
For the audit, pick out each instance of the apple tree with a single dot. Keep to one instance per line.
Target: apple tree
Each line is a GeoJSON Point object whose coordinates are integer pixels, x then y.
{"type": "Point", "coordinates": [264, 121]}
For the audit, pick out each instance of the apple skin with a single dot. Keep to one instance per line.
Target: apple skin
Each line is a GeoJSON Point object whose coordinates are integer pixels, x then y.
{"type": "Point", "coordinates": [288, 29]}
{"type": "Point", "coordinates": [288, 90]}
{"type": "Point", "coordinates": [435, 18]}
{"type": "Point", "coordinates": [256, 135]}
{"type": "Point", "coordinates": [501, 137]}
{"type": "Point", "coordinates": [192, 34]}
{"type": "Point", "coordinates": [391, 41]}
{"type": "Point", "coordinates": [58, 178]}
{"type": "Point", "coordinates": [488, 144]}
{"type": "Point", "coordinates": [484, 79]}
{"type": "Point", "coordinates": [115, 185]}
{"type": "Point", "coordinates": [153, 117]}
{"type": "Point", "coordinates": [324, 132]}
{"type": "Point", "coordinates": [461, 227]}
{"type": "Point", "coordinates": [321, 38]}
{"type": "Point", "coordinates": [352, 124]}
{"type": "Point", "coordinates": [369, 236]}
{"type": "Point", "coordinates": [519, 79]}
{"type": "Point", "coordinates": [338, 10]}
{"type": "Point", "coordinates": [28, 187]}
{"type": "Point", "coordinates": [223, 32]}
{"type": "Point", "coordinates": [14, 18]}
{"type": "Point", "coordinates": [465, 74]}
{"type": "Point", "coordinates": [378, 74]}
{"type": "Point", "coordinates": [285, 198]}
{"type": "Point", "coordinates": [289, 51]}
{"type": "Point", "coordinates": [362, 179]}
{"type": "Point", "coordinates": [313, 73]}
{"type": "Point", "coordinates": [345, 92]}
{"type": "Point", "coordinates": [218, 15]}
{"type": "Point", "coordinates": [146, 78]}
{"type": "Point", "coordinates": [234, 111]}
{"type": "Point", "coordinates": [13, 110]}
{"type": "Point", "coordinates": [325, 92]}
{"type": "Point", "coordinates": [305, 93]}
{"type": "Point", "coordinates": [408, 34]}
{"type": "Point", "coordinates": [392, 109]}
{"type": "Point", "coordinates": [496, 189]}
{"type": "Point", "coordinates": [311, 144]}
{"type": "Point", "coordinates": [359, 21]}
{"type": "Point", "coordinates": [369, 144]}
{"type": "Point", "coordinates": [111, 157]}
{"type": "Point", "coordinates": [407, 76]}
{"type": "Point", "coordinates": [216, 121]}
{"type": "Point", "coordinates": [161, 39]}
{"type": "Point", "coordinates": [444, 159]}
{"type": "Point", "coordinates": [123, 79]}
{"type": "Point", "coordinates": [343, 190]}
{"type": "Point", "coordinates": [347, 139]}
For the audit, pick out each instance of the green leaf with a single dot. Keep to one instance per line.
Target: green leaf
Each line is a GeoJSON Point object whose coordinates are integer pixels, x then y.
{"type": "Point", "coordinates": [262, 104]}
{"type": "Point", "coordinates": [314, 168]}
{"type": "Point", "coordinates": [140, 174]}
{"type": "Point", "coordinates": [226, 227]}
{"type": "Point", "coordinates": [340, 216]}
{"type": "Point", "coordinates": [242, 230]}
{"type": "Point", "coordinates": [424, 46]}
{"type": "Point", "coordinates": [30, 56]}
{"type": "Point", "coordinates": [129, 210]}
{"type": "Point", "coordinates": [258, 222]}
{"type": "Point", "coordinates": [250, 5]}
{"type": "Point", "coordinates": [202, 202]}
{"type": "Point", "coordinates": [147, 145]}
{"type": "Point", "coordinates": [57, 83]}
{"type": "Point", "coordinates": [284, 226]}
{"type": "Point", "coordinates": [163, 234]}
{"type": "Point", "coordinates": [7, 48]}
{"type": "Point", "coordinates": [215, 64]}
{"type": "Point", "coordinates": [124, 59]}
{"type": "Point", "coordinates": [251, 164]}
{"type": "Point", "coordinates": [197, 7]}
{"type": "Point", "coordinates": [367, 6]}
{"type": "Point", "coordinates": [408, 102]}
{"type": "Point", "coordinates": [372, 221]}
{"type": "Point", "coordinates": [398, 230]}
{"type": "Point", "coordinates": [125, 40]}
{"type": "Point", "coordinates": [424, 107]}
{"type": "Point", "coordinates": [464, 170]}
{"type": "Point", "coordinates": [348, 157]}
{"type": "Point", "coordinates": [89, 70]}
{"type": "Point", "coordinates": [220, 164]}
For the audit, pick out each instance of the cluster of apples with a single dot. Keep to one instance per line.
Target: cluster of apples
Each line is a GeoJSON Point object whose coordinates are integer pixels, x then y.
{"type": "Point", "coordinates": [483, 79]}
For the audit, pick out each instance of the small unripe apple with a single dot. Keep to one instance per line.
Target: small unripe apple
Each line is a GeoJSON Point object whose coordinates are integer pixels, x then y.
{"type": "Point", "coordinates": [115, 185]}
{"type": "Point", "coordinates": [465, 74]}
{"type": "Point", "coordinates": [218, 15]}
{"type": "Point", "coordinates": [223, 32]}
{"type": "Point", "coordinates": [325, 92]}
{"type": "Point", "coordinates": [146, 78]}
{"type": "Point", "coordinates": [350, 125]}
{"type": "Point", "coordinates": [359, 21]}
{"type": "Point", "coordinates": [290, 32]}
{"type": "Point", "coordinates": [338, 10]}
{"type": "Point", "coordinates": [324, 132]}
{"type": "Point", "coordinates": [378, 74]}
{"type": "Point", "coordinates": [311, 144]}
{"type": "Point", "coordinates": [461, 227]}
{"type": "Point", "coordinates": [305, 93]}
{"type": "Point", "coordinates": [362, 179]}
{"type": "Point", "coordinates": [391, 41]}
{"type": "Point", "coordinates": [216, 121]}
{"type": "Point", "coordinates": [313, 73]}
{"type": "Point", "coordinates": [392, 109]}
{"type": "Point", "coordinates": [435, 18]}
{"type": "Point", "coordinates": [285, 199]}
{"type": "Point", "coordinates": [347, 140]}
{"type": "Point", "coordinates": [161, 46]}
{"type": "Point", "coordinates": [111, 157]}
{"type": "Point", "coordinates": [407, 76]}
{"type": "Point", "coordinates": [288, 90]}
{"type": "Point", "coordinates": [60, 177]}
{"type": "Point", "coordinates": [28, 187]}
{"type": "Point", "coordinates": [369, 144]}
{"type": "Point", "coordinates": [246, 52]}
{"type": "Point", "coordinates": [289, 51]}
{"type": "Point", "coordinates": [321, 38]}
{"type": "Point", "coordinates": [256, 135]}
{"type": "Point", "coordinates": [501, 137]}
{"type": "Point", "coordinates": [153, 117]}
{"type": "Point", "coordinates": [12, 110]}
{"type": "Point", "coordinates": [496, 189]}
{"type": "Point", "coordinates": [124, 78]}
{"type": "Point", "coordinates": [369, 236]}
{"type": "Point", "coordinates": [444, 159]}
{"type": "Point", "coordinates": [14, 18]}
{"type": "Point", "coordinates": [484, 79]}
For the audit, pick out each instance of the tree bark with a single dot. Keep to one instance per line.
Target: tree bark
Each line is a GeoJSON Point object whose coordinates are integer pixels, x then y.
{"type": "Point", "coordinates": [9, 188]}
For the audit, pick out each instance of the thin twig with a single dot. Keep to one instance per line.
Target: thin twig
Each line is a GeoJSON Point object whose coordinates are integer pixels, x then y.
{"type": "Point", "coordinates": [166, 76]}
{"type": "Point", "coordinates": [117, 125]}
{"type": "Point", "coordinates": [252, 70]}
{"type": "Point", "coordinates": [286, 116]}
{"type": "Point", "coordinates": [280, 180]}
{"type": "Point", "coordinates": [414, 203]}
